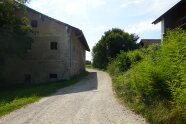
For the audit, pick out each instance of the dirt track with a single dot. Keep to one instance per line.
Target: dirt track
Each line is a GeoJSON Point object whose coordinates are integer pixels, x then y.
{"type": "Point", "coordinates": [90, 101]}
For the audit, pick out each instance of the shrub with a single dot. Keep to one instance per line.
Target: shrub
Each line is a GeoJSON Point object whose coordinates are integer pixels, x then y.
{"type": "Point", "coordinates": [155, 77]}
{"type": "Point", "coordinates": [124, 61]}
{"type": "Point", "coordinates": [173, 59]}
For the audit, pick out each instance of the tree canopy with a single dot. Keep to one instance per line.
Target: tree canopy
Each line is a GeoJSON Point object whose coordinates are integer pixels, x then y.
{"type": "Point", "coordinates": [110, 44]}
{"type": "Point", "coordinates": [13, 29]}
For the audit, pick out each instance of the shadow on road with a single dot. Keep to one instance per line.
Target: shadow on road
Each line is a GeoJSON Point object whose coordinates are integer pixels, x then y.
{"type": "Point", "coordinates": [87, 84]}
{"type": "Point", "coordinates": [7, 95]}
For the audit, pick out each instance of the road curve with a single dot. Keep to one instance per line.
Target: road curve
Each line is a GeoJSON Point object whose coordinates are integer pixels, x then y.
{"type": "Point", "coordinates": [90, 101]}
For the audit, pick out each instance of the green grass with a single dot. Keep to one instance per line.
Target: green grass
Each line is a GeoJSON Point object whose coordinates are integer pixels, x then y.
{"type": "Point", "coordinates": [91, 67]}
{"type": "Point", "coordinates": [16, 97]}
{"type": "Point", "coordinates": [155, 113]}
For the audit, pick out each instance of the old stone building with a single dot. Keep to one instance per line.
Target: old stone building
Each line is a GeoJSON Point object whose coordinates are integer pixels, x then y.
{"type": "Point", "coordinates": [56, 53]}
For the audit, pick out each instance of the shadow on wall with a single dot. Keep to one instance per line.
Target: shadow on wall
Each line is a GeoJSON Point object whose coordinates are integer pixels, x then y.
{"type": "Point", "coordinates": [87, 84]}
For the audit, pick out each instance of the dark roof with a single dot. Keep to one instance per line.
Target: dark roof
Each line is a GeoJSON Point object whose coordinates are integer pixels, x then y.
{"type": "Point", "coordinates": [149, 41]}
{"type": "Point", "coordinates": [169, 11]}
{"type": "Point", "coordinates": [77, 31]}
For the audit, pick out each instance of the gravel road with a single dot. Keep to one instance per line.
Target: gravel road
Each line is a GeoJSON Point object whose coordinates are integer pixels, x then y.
{"type": "Point", "coordinates": [90, 101]}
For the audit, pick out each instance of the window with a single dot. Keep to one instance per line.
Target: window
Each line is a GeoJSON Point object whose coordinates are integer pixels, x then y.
{"type": "Point", "coordinates": [27, 78]}
{"type": "Point", "coordinates": [34, 23]}
{"type": "Point", "coordinates": [53, 75]}
{"type": "Point", "coordinates": [53, 45]}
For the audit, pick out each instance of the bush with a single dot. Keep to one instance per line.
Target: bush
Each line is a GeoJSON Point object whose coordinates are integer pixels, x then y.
{"type": "Point", "coordinates": [174, 61]}
{"type": "Point", "coordinates": [153, 78]}
{"type": "Point", "coordinates": [124, 61]}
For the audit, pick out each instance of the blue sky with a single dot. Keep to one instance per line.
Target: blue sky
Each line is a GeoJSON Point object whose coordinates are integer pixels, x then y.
{"type": "Point", "coordinates": [94, 17]}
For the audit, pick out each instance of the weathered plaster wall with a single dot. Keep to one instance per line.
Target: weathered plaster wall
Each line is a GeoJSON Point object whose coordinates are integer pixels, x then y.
{"type": "Point", "coordinates": [77, 55]}
{"type": "Point", "coordinates": [41, 61]}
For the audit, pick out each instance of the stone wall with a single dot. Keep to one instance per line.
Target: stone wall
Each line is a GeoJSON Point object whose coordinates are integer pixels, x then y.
{"type": "Point", "coordinates": [41, 64]}
{"type": "Point", "coordinates": [77, 56]}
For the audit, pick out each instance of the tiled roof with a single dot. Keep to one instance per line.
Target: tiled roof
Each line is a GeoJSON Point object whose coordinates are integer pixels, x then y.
{"type": "Point", "coordinates": [150, 41]}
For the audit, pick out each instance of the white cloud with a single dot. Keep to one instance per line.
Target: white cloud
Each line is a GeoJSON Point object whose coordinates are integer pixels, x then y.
{"type": "Point", "coordinates": [38, 5]}
{"type": "Point", "coordinates": [142, 27]}
{"type": "Point", "coordinates": [144, 7]}
{"type": "Point", "coordinates": [159, 5]}
{"type": "Point", "coordinates": [76, 7]}
{"type": "Point", "coordinates": [71, 7]}
{"type": "Point", "coordinates": [137, 1]}
{"type": "Point", "coordinates": [97, 3]}
{"type": "Point", "coordinates": [126, 4]}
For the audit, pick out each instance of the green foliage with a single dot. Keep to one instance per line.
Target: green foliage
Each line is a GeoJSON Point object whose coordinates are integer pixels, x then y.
{"type": "Point", "coordinates": [8, 15]}
{"type": "Point", "coordinates": [13, 29]}
{"type": "Point", "coordinates": [88, 62]}
{"type": "Point", "coordinates": [124, 61]}
{"type": "Point", "coordinates": [155, 83]}
{"type": "Point", "coordinates": [14, 38]}
{"type": "Point", "coordinates": [89, 66]}
{"type": "Point", "coordinates": [15, 97]}
{"type": "Point", "coordinates": [174, 53]}
{"type": "Point", "coordinates": [110, 45]}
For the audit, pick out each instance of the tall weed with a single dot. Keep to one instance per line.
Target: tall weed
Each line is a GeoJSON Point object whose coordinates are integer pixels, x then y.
{"type": "Point", "coordinates": [154, 77]}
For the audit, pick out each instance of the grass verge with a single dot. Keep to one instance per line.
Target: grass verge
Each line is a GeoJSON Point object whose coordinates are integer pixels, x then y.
{"type": "Point", "coordinates": [16, 97]}
{"type": "Point", "coordinates": [91, 67]}
{"type": "Point", "coordinates": [155, 112]}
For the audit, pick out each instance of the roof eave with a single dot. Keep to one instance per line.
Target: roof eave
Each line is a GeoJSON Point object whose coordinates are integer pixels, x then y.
{"type": "Point", "coordinates": [160, 18]}
{"type": "Point", "coordinates": [81, 37]}
{"type": "Point", "coordinates": [157, 20]}
{"type": "Point", "coordinates": [84, 42]}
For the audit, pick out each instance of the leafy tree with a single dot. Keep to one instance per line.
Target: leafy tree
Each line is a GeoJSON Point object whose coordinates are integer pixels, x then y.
{"type": "Point", "coordinates": [111, 43]}
{"type": "Point", "coordinates": [14, 30]}
{"type": "Point", "coordinates": [88, 62]}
